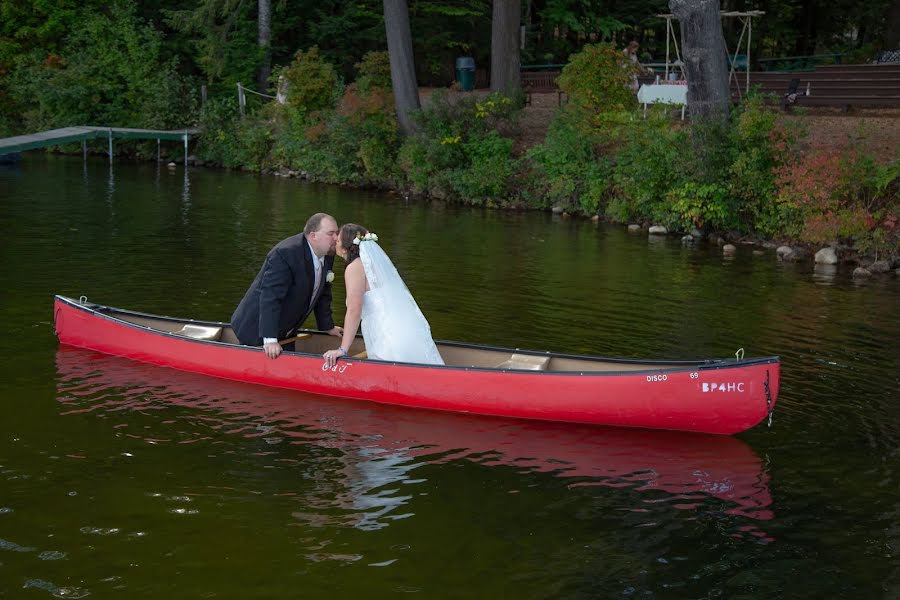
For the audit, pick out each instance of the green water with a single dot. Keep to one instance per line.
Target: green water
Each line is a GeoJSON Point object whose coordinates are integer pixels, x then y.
{"type": "Point", "coordinates": [119, 479]}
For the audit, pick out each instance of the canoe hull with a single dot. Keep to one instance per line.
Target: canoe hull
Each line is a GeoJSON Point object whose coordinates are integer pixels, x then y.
{"type": "Point", "coordinates": [723, 398]}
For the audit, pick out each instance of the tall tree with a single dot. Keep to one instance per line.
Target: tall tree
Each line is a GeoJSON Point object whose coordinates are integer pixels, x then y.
{"type": "Point", "coordinates": [505, 60]}
{"type": "Point", "coordinates": [892, 28]}
{"type": "Point", "coordinates": [705, 60]}
{"type": "Point", "coordinates": [264, 39]}
{"type": "Point", "coordinates": [403, 68]}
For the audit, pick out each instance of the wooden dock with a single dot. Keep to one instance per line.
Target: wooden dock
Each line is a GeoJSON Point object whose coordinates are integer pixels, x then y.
{"type": "Point", "coordinates": [68, 135]}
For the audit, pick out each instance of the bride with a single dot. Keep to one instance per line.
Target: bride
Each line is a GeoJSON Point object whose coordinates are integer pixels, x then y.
{"type": "Point", "coordinates": [392, 325]}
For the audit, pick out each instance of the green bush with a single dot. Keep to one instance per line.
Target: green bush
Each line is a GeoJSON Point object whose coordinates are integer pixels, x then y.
{"type": "Point", "coordinates": [373, 72]}
{"type": "Point", "coordinates": [232, 141]}
{"type": "Point", "coordinates": [694, 204]}
{"type": "Point", "coordinates": [458, 149]}
{"type": "Point", "coordinates": [312, 82]}
{"type": "Point", "coordinates": [759, 146]}
{"type": "Point", "coordinates": [566, 169]}
{"type": "Point", "coordinates": [355, 143]}
{"type": "Point", "coordinates": [599, 79]}
{"type": "Point", "coordinates": [489, 167]}
{"type": "Point", "coordinates": [652, 162]}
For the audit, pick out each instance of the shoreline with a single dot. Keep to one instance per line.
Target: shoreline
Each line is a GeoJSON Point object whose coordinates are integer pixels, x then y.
{"type": "Point", "coordinates": [785, 250]}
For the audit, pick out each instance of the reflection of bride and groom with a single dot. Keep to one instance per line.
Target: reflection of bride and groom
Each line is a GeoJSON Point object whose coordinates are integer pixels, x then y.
{"type": "Point", "coordinates": [295, 281]}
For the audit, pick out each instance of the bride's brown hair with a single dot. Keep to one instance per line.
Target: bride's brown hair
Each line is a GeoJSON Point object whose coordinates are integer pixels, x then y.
{"type": "Point", "coordinates": [349, 232]}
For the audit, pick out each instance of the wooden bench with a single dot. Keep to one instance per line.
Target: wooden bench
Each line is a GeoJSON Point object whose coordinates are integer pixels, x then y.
{"type": "Point", "coordinates": [541, 82]}
{"type": "Point", "coordinates": [841, 86]}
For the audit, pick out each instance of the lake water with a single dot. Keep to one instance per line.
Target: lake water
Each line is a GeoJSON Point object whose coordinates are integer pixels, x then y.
{"type": "Point", "coordinates": [119, 479]}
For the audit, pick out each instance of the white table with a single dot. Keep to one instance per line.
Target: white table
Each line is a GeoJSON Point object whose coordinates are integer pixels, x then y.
{"type": "Point", "coordinates": [663, 93]}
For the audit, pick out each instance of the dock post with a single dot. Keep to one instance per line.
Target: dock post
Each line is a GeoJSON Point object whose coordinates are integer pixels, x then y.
{"type": "Point", "coordinates": [110, 146]}
{"type": "Point", "coordinates": [185, 149]}
{"type": "Point", "coordinates": [157, 150]}
{"type": "Point", "coordinates": [84, 149]}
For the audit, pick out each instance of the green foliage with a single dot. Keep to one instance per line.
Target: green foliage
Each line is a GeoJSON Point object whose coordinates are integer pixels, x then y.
{"type": "Point", "coordinates": [232, 141]}
{"type": "Point", "coordinates": [373, 72]}
{"type": "Point", "coordinates": [312, 83]}
{"type": "Point", "coordinates": [566, 169]}
{"type": "Point", "coordinates": [355, 143]}
{"type": "Point", "coordinates": [651, 163]}
{"type": "Point", "coordinates": [699, 205]}
{"type": "Point", "coordinates": [759, 146]}
{"type": "Point", "coordinates": [489, 167]}
{"type": "Point", "coordinates": [222, 34]}
{"type": "Point", "coordinates": [599, 79]}
{"type": "Point", "coordinates": [110, 71]}
{"type": "Point", "coordinates": [458, 150]}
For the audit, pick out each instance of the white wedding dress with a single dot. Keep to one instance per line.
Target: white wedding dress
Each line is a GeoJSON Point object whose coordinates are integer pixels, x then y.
{"type": "Point", "coordinates": [392, 325]}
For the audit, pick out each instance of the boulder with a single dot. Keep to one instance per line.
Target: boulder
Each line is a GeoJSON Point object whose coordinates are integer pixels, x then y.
{"type": "Point", "coordinates": [783, 251]}
{"type": "Point", "coordinates": [861, 272]}
{"type": "Point", "coordinates": [880, 266]}
{"type": "Point", "coordinates": [634, 228]}
{"type": "Point", "coordinates": [688, 239]}
{"type": "Point", "coordinates": [826, 256]}
{"type": "Point", "coordinates": [729, 249]}
{"type": "Point", "coordinates": [658, 230]}
{"type": "Point", "coordinates": [557, 210]}
{"type": "Point", "coordinates": [796, 255]}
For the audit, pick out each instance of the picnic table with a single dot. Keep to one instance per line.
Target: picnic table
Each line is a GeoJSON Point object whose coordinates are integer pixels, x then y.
{"type": "Point", "coordinates": [664, 92]}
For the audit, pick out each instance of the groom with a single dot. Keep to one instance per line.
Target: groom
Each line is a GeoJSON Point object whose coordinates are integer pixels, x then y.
{"type": "Point", "coordinates": [292, 283]}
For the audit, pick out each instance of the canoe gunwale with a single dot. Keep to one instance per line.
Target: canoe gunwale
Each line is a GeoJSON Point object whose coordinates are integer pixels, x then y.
{"type": "Point", "coordinates": [662, 366]}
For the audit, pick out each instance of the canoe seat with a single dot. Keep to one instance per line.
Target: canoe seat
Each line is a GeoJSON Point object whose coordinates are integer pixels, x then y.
{"type": "Point", "coordinates": [201, 332]}
{"type": "Point", "coordinates": [363, 354]}
{"type": "Point", "coordinates": [525, 362]}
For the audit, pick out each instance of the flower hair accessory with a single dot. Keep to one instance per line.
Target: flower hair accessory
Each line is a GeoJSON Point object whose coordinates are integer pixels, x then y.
{"type": "Point", "coordinates": [369, 237]}
{"type": "Point", "coordinates": [329, 277]}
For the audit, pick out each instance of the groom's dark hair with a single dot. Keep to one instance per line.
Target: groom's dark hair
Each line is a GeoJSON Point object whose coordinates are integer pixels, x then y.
{"type": "Point", "coordinates": [348, 233]}
{"type": "Point", "coordinates": [315, 222]}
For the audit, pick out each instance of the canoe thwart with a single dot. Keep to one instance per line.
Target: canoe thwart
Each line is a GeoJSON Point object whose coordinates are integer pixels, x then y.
{"type": "Point", "coordinates": [296, 338]}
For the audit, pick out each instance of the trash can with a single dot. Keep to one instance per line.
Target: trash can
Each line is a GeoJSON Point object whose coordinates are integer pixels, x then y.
{"type": "Point", "coordinates": [465, 73]}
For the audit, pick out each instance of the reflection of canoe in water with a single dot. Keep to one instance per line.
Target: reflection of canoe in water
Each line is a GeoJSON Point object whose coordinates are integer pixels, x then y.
{"type": "Point", "coordinates": [714, 396]}
{"type": "Point", "coordinates": [682, 469]}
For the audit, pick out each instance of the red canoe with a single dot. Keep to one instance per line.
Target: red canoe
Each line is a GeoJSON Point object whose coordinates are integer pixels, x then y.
{"type": "Point", "coordinates": [671, 468]}
{"type": "Point", "coordinates": [712, 396]}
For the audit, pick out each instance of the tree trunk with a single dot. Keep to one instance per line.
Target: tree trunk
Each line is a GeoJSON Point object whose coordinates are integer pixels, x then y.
{"type": "Point", "coordinates": [892, 28]}
{"type": "Point", "coordinates": [403, 68]}
{"type": "Point", "coordinates": [265, 45]}
{"type": "Point", "coordinates": [705, 61]}
{"type": "Point", "coordinates": [505, 56]}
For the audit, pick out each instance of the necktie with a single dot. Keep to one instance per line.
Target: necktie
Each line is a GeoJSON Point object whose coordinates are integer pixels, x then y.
{"type": "Point", "coordinates": [319, 268]}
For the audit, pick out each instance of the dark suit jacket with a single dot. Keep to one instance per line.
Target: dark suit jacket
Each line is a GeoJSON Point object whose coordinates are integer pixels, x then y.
{"type": "Point", "coordinates": [279, 300]}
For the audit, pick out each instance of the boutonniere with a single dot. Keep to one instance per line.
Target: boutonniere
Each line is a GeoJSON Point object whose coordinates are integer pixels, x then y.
{"type": "Point", "coordinates": [329, 277]}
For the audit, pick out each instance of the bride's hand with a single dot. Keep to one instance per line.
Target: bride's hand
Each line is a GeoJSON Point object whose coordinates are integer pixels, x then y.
{"type": "Point", "coordinates": [332, 356]}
